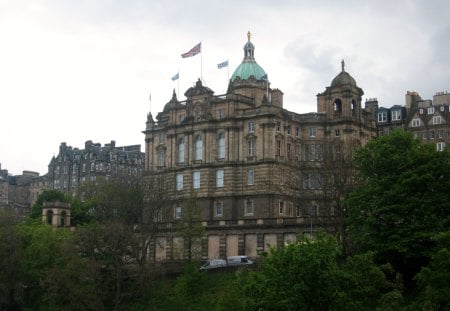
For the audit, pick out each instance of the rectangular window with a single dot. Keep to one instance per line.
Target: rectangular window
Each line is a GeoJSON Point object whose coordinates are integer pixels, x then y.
{"type": "Point", "coordinates": [251, 127]}
{"type": "Point", "coordinates": [251, 148]}
{"type": "Point", "coordinates": [396, 115]}
{"type": "Point", "coordinates": [177, 212]}
{"type": "Point", "coordinates": [382, 116]}
{"type": "Point", "coordinates": [221, 114]}
{"type": "Point", "coordinates": [249, 207]}
{"type": "Point", "coordinates": [279, 147]}
{"type": "Point", "coordinates": [430, 110]}
{"type": "Point", "coordinates": [218, 209]}
{"type": "Point", "coordinates": [437, 119]}
{"type": "Point", "coordinates": [297, 131]}
{"type": "Point", "coordinates": [431, 134]}
{"type": "Point", "coordinates": [312, 132]}
{"type": "Point", "coordinates": [337, 133]}
{"type": "Point", "coordinates": [278, 126]}
{"type": "Point", "coordinates": [219, 178]}
{"type": "Point", "coordinates": [181, 117]}
{"type": "Point", "coordinates": [281, 207]}
{"type": "Point", "coordinates": [415, 122]}
{"type": "Point", "coordinates": [161, 158]}
{"type": "Point", "coordinates": [180, 183]}
{"type": "Point", "coordinates": [288, 129]}
{"type": "Point", "coordinates": [312, 152]}
{"type": "Point", "coordinates": [250, 177]}
{"type": "Point", "coordinates": [196, 180]}
{"type": "Point", "coordinates": [441, 134]}
{"type": "Point", "coordinates": [281, 177]}
{"type": "Point", "coordinates": [288, 151]}
{"type": "Point", "coordinates": [298, 211]}
{"type": "Point", "coordinates": [440, 146]}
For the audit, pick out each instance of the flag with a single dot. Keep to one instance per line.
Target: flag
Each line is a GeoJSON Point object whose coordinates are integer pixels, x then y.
{"type": "Point", "coordinates": [223, 64]}
{"type": "Point", "coordinates": [264, 77]}
{"type": "Point", "coordinates": [176, 77]}
{"type": "Point", "coordinates": [194, 51]}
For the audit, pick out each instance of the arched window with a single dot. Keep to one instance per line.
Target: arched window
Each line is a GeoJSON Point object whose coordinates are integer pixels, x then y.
{"type": "Point", "coordinates": [198, 148]}
{"type": "Point", "coordinates": [221, 146]}
{"type": "Point", "coordinates": [49, 217]}
{"type": "Point", "coordinates": [337, 105]}
{"type": "Point", "coordinates": [353, 105]}
{"type": "Point", "coordinates": [181, 150]}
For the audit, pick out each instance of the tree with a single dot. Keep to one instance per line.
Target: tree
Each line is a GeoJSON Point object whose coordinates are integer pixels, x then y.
{"type": "Point", "coordinates": [307, 275]}
{"type": "Point", "coordinates": [401, 201]}
{"type": "Point", "coordinates": [190, 227]}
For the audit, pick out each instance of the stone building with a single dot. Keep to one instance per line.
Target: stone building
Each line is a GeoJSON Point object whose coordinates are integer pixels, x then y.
{"type": "Point", "coordinates": [428, 120]}
{"type": "Point", "coordinates": [73, 166]}
{"type": "Point", "coordinates": [257, 169]}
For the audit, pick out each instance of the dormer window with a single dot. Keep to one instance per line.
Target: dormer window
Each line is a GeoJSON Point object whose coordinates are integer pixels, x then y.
{"type": "Point", "coordinates": [437, 120]}
{"type": "Point", "coordinates": [415, 122]}
{"type": "Point", "coordinates": [396, 115]}
{"type": "Point", "coordinates": [430, 110]}
{"type": "Point", "coordinates": [382, 116]}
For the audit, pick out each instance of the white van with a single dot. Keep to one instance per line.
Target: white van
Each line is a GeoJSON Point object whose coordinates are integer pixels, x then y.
{"type": "Point", "coordinates": [213, 264]}
{"type": "Point", "coordinates": [238, 261]}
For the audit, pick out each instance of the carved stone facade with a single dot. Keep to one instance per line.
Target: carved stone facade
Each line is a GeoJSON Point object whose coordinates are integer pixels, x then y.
{"type": "Point", "coordinates": [254, 166]}
{"type": "Point", "coordinates": [73, 166]}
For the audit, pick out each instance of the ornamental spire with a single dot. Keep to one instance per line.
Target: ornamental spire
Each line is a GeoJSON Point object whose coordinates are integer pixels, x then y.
{"type": "Point", "coordinates": [249, 35]}
{"type": "Point", "coordinates": [342, 65]}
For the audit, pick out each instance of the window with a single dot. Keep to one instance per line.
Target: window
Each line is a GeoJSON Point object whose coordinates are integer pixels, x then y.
{"type": "Point", "coordinates": [281, 177]}
{"type": "Point", "coordinates": [181, 117]}
{"type": "Point", "coordinates": [415, 122]}
{"type": "Point", "coordinates": [288, 151]}
{"type": "Point", "coordinates": [337, 133]}
{"type": "Point", "coordinates": [311, 181]}
{"type": "Point", "coordinates": [437, 119]}
{"type": "Point", "coordinates": [299, 152]}
{"type": "Point", "coordinates": [297, 131]}
{"type": "Point", "coordinates": [221, 114]}
{"type": "Point", "coordinates": [430, 110]}
{"type": "Point", "coordinates": [382, 116]}
{"type": "Point", "coordinates": [218, 209]}
{"type": "Point", "coordinates": [251, 127]}
{"type": "Point", "coordinates": [251, 147]}
{"type": "Point", "coordinates": [161, 158]}
{"type": "Point", "coordinates": [431, 134]}
{"type": "Point", "coordinates": [177, 212]}
{"type": "Point", "coordinates": [281, 207]}
{"type": "Point", "coordinates": [181, 150]}
{"type": "Point", "coordinates": [288, 129]}
{"type": "Point", "coordinates": [441, 134]}
{"type": "Point", "coordinates": [440, 146]}
{"type": "Point", "coordinates": [92, 166]}
{"type": "Point", "coordinates": [248, 207]}
{"type": "Point", "coordinates": [421, 110]}
{"type": "Point", "coordinates": [180, 182]}
{"type": "Point", "coordinates": [337, 105]}
{"type": "Point", "coordinates": [219, 178]}
{"type": "Point", "coordinates": [196, 179]}
{"type": "Point", "coordinates": [198, 148]}
{"type": "Point", "coordinates": [278, 126]}
{"type": "Point", "coordinates": [250, 177]}
{"type": "Point", "coordinates": [442, 108]}
{"type": "Point", "coordinates": [396, 115]}
{"type": "Point", "coordinates": [312, 132]}
{"type": "Point", "coordinates": [298, 211]}
{"type": "Point", "coordinates": [221, 149]}
{"type": "Point", "coordinates": [312, 152]}
{"type": "Point", "coordinates": [279, 147]}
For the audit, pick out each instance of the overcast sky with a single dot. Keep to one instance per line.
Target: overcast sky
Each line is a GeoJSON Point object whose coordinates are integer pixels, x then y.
{"type": "Point", "coordinates": [72, 71]}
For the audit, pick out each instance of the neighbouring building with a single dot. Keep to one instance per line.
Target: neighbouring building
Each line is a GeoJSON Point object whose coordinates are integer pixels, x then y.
{"type": "Point", "coordinates": [428, 120]}
{"type": "Point", "coordinates": [258, 170]}
{"type": "Point", "coordinates": [72, 166]}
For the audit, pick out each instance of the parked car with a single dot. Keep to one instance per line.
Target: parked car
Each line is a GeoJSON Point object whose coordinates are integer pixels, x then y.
{"type": "Point", "coordinates": [238, 261]}
{"type": "Point", "coordinates": [214, 264]}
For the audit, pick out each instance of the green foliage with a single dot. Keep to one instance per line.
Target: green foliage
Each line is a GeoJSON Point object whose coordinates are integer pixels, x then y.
{"type": "Point", "coordinates": [434, 280]}
{"type": "Point", "coordinates": [402, 200]}
{"type": "Point", "coordinates": [46, 196]}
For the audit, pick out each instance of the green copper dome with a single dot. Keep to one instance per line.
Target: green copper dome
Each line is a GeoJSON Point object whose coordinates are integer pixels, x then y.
{"type": "Point", "coordinates": [249, 67]}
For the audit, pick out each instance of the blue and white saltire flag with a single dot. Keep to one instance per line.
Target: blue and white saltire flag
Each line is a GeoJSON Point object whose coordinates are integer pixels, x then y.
{"type": "Point", "coordinates": [223, 64]}
{"type": "Point", "coordinates": [176, 77]}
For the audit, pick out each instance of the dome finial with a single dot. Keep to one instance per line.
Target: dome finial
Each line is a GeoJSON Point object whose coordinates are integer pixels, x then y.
{"type": "Point", "coordinates": [342, 65]}
{"type": "Point", "coordinates": [249, 35]}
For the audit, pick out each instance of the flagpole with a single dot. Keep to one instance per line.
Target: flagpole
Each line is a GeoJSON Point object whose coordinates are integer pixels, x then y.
{"type": "Point", "coordinates": [201, 64]}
